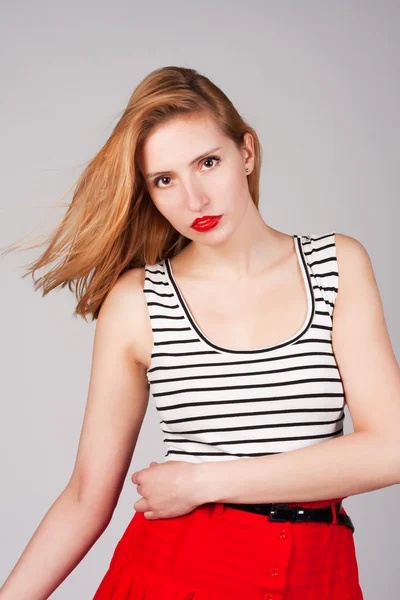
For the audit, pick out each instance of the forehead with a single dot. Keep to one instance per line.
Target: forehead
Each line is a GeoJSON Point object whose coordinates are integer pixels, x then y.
{"type": "Point", "coordinates": [176, 143]}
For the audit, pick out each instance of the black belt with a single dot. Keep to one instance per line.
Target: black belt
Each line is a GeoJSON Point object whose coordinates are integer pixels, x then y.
{"type": "Point", "coordinates": [282, 512]}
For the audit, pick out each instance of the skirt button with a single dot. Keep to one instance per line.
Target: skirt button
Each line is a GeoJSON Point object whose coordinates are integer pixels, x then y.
{"type": "Point", "coordinates": [281, 534]}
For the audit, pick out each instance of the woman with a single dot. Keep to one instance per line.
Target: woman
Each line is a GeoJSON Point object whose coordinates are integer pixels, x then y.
{"type": "Point", "coordinates": [249, 347]}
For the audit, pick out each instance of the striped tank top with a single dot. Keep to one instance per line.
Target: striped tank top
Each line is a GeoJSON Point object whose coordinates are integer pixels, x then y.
{"type": "Point", "coordinates": [218, 403]}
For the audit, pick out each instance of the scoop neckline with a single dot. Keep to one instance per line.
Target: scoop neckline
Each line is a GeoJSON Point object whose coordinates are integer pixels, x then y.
{"type": "Point", "coordinates": [289, 341]}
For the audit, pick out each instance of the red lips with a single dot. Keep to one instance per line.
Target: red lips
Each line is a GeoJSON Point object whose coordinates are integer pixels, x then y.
{"type": "Point", "coordinates": [206, 222]}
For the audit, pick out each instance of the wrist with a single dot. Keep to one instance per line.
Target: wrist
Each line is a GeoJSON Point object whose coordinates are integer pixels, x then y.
{"type": "Point", "coordinates": [205, 482]}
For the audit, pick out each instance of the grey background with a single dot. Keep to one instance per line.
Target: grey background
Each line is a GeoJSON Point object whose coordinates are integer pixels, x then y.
{"type": "Point", "coordinates": [320, 83]}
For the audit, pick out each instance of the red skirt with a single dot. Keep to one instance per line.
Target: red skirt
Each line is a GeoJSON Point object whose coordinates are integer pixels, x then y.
{"type": "Point", "coordinates": [217, 552]}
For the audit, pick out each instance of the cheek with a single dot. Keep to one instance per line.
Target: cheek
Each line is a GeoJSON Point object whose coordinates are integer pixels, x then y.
{"type": "Point", "coordinates": [234, 190]}
{"type": "Point", "coordinates": [171, 210]}
{"type": "Point", "coordinates": [164, 205]}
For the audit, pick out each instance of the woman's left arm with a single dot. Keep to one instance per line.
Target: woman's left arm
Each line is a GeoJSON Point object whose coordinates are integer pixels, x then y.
{"type": "Point", "coordinates": [365, 460]}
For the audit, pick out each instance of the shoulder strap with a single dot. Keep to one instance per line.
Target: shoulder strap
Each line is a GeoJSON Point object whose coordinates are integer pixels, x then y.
{"type": "Point", "coordinates": [167, 318]}
{"type": "Point", "coordinates": [320, 254]}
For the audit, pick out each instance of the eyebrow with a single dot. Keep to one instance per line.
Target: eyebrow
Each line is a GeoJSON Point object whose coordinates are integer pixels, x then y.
{"type": "Point", "coordinates": [204, 155]}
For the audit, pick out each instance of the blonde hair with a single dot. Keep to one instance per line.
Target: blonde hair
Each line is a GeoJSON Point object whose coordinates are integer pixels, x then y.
{"type": "Point", "coordinates": [111, 224]}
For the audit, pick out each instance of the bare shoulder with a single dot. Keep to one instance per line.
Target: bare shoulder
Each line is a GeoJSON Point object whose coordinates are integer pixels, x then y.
{"type": "Point", "coordinates": [355, 267]}
{"type": "Point", "coordinates": [358, 309]}
{"type": "Point", "coordinates": [350, 252]}
{"type": "Point", "coordinates": [125, 310]}
{"type": "Point", "coordinates": [357, 279]}
{"type": "Point", "coordinates": [129, 286]}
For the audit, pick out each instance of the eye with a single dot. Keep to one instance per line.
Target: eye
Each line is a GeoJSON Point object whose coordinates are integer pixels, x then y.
{"type": "Point", "coordinates": [215, 158]}
{"type": "Point", "coordinates": [155, 182]}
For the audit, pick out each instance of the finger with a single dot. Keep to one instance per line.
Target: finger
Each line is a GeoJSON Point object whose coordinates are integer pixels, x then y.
{"type": "Point", "coordinates": [149, 515]}
{"type": "Point", "coordinates": [141, 505]}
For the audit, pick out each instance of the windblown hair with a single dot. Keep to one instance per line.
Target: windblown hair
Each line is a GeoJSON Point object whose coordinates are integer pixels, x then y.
{"type": "Point", "coordinates": [112, 224]}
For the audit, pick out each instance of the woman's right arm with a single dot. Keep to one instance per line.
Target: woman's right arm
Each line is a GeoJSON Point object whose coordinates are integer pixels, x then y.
{"type": "Point", "coordinates": [116, 405]}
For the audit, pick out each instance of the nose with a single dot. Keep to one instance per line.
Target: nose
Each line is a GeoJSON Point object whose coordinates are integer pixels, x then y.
{"type": "Point", "coordinates": [195, 196]}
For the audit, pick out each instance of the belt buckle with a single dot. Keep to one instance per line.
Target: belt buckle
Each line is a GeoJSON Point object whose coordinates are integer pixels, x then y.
{"type": "Point", "coordinates": [294, 512]}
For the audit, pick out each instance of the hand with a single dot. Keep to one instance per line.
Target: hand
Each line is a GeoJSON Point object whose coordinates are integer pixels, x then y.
{"type": "Point", "coordinates": [169, 489]}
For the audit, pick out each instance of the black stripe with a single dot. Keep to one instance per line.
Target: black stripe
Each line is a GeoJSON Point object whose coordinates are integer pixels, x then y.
{"type": "Point", "coordinates": [259, 440]}
{"type": "Point", "coordinates": [239, 374]}
{"type": "Point", "coordinates": [259, 426]}
{"type": "Point", "coordinates": [245, 414]}
{"type": "Point", "coordinates": [300, 382]}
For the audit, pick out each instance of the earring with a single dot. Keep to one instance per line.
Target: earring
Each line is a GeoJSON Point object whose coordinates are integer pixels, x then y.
{"type": "Point", "coordinates": [247, 170]}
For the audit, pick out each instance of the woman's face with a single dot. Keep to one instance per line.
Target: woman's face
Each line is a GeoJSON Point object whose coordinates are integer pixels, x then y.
{"type": "Point", "coordinates": [192, 170]}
